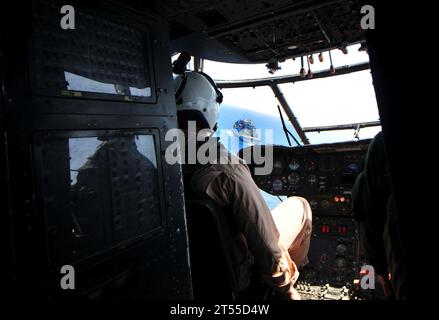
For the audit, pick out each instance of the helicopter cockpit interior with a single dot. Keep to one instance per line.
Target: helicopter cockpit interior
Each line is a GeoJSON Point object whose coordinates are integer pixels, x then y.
{"type": "Point", "coordinates": [87, 99]}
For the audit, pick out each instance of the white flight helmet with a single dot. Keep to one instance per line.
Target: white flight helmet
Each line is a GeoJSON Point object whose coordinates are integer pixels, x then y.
{"type": "Point", "coordinates": [197, 94]}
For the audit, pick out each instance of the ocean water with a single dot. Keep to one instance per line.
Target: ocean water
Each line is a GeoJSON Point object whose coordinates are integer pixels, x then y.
{"type": "Point", "coordinates": [230, 114]}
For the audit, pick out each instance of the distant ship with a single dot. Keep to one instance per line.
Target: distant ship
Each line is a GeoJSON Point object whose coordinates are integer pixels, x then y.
{"type": "Point", "coordinates": [245, 129]}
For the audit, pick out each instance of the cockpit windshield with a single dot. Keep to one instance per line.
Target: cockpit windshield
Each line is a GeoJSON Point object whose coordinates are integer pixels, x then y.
{"type": "Point", "coordinates": [333, 109]}
{"type": "Point", "coordinates": [335, 101]}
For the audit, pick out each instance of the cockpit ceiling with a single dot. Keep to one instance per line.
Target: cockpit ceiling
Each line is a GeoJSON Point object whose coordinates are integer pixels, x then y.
{"type": "Point", "coordinates": [251, 31]}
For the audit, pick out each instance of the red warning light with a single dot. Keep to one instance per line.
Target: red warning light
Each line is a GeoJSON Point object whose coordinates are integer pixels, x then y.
{"type": "Point", "coordinates": [325, 229]}
{"type": "Point", "coordinates": [342, 229]}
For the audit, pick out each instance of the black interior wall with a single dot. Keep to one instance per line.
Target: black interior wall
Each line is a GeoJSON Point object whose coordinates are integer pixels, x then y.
{"type": "Point", "coordinates": [153, 266]}
{"type": "Point", "coordinates": [398, 99]}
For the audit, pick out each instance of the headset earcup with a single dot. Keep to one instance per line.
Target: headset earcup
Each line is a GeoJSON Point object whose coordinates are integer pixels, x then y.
{"type": "Point", "coordinates": [219, 94]}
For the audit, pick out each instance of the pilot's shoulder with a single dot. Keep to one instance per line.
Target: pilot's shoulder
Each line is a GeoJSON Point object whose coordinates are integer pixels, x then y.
{"type": "Point", "coordinates": [226, 163]}
{"type": "Point", "coordinates": [229, 160]}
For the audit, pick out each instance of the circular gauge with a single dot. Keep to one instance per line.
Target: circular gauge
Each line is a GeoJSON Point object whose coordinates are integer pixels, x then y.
{"type": "Point", "coordinates": [293, 179]}
{"type": "Point", "coordinates": [310, 166]}
{"type": "Point", "coordinates": [312, 179]}
{"type": "Point", "coordinates": [325, 204]}
{"type": "Point", "coordinates": [294, 165]}
{"type": "Point", "coordinates": [341, 249]}
{"type": "Point", "coordinates": [353, 168]}
{"type": "Point", "coordinates": [277, 185]}
{"type": "Point", "coordinates": [277, 166]}
{"type": "Point", "coordinates": [340, 262]}
{"type": "Point", "coordinates": [313, 204]}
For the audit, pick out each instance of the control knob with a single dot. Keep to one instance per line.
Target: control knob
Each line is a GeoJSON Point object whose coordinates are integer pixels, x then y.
{"type": "Point", "coordinates": [341, 249]}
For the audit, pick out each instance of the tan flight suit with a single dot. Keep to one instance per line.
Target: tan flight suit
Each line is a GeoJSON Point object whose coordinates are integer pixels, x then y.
{"type": "Point", "coordinates": [278, 240]}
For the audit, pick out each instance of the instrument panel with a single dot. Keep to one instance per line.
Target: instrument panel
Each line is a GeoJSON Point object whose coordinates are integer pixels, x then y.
{"type": "Point", "coordinates": [324, 175]}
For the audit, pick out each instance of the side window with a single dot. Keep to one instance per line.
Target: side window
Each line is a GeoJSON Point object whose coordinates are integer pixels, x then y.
{"type": "Point", "coordinates": [94, 186]}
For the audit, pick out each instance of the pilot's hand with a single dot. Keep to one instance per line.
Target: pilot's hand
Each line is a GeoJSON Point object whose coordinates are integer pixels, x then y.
{"type": "Point", "coordinates": [294, 294]}
{"type": "Point", "coordinates": [287, 293]}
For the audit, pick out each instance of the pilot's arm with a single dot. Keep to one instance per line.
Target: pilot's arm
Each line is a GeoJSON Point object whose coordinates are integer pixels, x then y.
{"type": "Point", "coordinates": [233, 187]}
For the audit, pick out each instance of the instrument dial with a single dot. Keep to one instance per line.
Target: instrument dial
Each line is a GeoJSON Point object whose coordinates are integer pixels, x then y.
{"type": "Point", "coordinates": [293, 179]}
{"type": "Point", "coordinates": [353, 168]}
{"type": "Point", "coordinates": [294, 165]}
{"type": "Point", "coordinates": [311, 166]}
{"type": "Point", "coordinates": [313, 204]}
{"type": "Point", "coordinates": [340, 262]}
{"type": "Point", "coordinates": [277, 185]}
{"type": "Point", "coordinates": [312, 179]}
{"type": "Point", "coordinates": [341, 249]}
{"type": "Point", "coordinates": [278, 166]}
{"type": "Point", "coordinates": [325, 204]}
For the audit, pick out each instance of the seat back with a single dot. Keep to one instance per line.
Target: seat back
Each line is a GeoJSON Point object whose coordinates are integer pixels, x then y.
{"type": "Point", "coordinates": [218, 256]}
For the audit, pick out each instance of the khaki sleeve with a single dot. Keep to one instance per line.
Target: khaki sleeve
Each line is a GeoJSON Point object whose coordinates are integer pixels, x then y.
{"type": "Point", "coordinates": [234, 188]}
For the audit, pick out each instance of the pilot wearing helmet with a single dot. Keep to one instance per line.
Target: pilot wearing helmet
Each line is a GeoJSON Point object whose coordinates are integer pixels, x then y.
{"type": "Point", "coordinates": [278, 241]}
